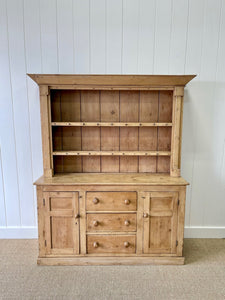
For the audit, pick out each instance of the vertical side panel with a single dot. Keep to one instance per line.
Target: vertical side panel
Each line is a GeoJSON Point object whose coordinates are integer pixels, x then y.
{"type": "Point", "coordinates": [146, 223]}
{"type": "Point", "coordinates": [148, 135]}
{"type": "Point", "coordinates": [45, 128]}
{"type": "Point", "coordinates": [140, 224]}
{"type": "Point", "coordinates": [41, 201]}
{"type": "Point", "coordinates": [47, 222]}
{"type": "Point", "coordinates": [8, 145]}
{"type": "Point", "coordinates": [76, 226]}
{"type": "Point", "coordinates": [97, 36]}
{"type": "Point", "coordinates": [181, 215]}
{"type": "Point", "coordinates": [82, 200]}
{"type": "Point", "coordinates": [130, 36]}
{"type": "Point", "coordinates": [114, 36]}
{"type": "Point", "coordinates": [164, 133]}
{"type": "Point", "coordinates": [65, 36]}
{"type": "Point", "coordinates": [21, 110]}
{"type": "Point", "coordinates": [49, 40]}
{"type": "Point", "coordinates": [81, 36]}
{"type": "Point", "coordinates": [176, 132]}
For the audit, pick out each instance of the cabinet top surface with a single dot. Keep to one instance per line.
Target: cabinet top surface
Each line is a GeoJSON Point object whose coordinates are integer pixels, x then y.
{"type": "Point", "coordinates": [111, 179]}
{"type": "Point", "coordinates": [112, 80]}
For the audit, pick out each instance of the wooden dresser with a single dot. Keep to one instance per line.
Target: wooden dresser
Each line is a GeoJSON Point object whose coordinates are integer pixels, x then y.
{"type": "Point", "coordinates": [111, 192]}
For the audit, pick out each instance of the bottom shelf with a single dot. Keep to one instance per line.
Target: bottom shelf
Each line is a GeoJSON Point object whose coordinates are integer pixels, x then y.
{"type": "Point", "coordinates": [111, 164]}
{"type": "Point", "coordinates": [110, 260]}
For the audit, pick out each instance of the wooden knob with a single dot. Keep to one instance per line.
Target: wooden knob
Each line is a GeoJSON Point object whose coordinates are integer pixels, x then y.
{"type": "Point", "coordinates": [126, 244]}
{"type": "Point", "coordinates": [95, 244]}
{"type": "Point", "coordinates": [77, 216]}
{"type": "Point", "coordinates": [126, 201]}
{"type": "Point", "coordinates": [145, 215]}
{"type": "Point", "coordinates": [95, 200]}
{"type": "Point", "coordinates": [127, 222]}
{"type": "Point", "coordinates": [95, 223]}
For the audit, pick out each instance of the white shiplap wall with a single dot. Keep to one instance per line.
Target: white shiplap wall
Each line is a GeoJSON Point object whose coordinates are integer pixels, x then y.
{"type": "Point", "coordinates": [113, 37]}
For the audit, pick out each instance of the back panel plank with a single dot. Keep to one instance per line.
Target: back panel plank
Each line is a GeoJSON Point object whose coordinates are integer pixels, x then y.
{"type": "Point", "coordinates": [148, 135]}
{"type": "Point", "coordinates": [109, 142]}
{"type": "Point", "coordinates": [129, 112]}
{"type": "Point", "coordinates": [164, 134]}
{"type": "Point", "coordinates": [90, 106]}
{"type": "Point", "coordinates": [90, 112]}
{"type": "Point", "coordinates": [70, 106]}
{"type": "Point", "coordinates": [109, 106]}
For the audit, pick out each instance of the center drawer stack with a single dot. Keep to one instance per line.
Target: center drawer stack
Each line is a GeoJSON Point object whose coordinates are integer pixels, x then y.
{"type": "Point", "coordinates": [111, 222]}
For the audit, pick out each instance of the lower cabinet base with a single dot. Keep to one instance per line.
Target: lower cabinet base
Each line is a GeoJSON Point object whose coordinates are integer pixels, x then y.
{"type": "Point", "coordinates": [106, 261]}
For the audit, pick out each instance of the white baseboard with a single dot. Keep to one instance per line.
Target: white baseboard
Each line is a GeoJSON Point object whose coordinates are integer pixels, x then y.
{"type": "Point", "coordinates": [204, 232]}
{"type": "Point", "coordinates": [189, 232]}
{"type": "Point", "coordinates": [18, 232]}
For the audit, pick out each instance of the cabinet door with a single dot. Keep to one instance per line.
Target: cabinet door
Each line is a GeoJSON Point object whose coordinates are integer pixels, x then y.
{"type": "Point", "coordinates": [61, 222]}
{"type": "Point", "coordinates": [160, 222]}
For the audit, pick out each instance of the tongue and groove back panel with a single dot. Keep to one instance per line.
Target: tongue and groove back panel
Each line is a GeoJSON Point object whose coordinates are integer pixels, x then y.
{"type": "Point", "coordinates": [111, 106]}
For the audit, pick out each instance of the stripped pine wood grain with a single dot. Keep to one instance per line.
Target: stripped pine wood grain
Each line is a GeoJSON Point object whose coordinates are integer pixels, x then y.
{"type": "Point", "coordinates": [116, 131]}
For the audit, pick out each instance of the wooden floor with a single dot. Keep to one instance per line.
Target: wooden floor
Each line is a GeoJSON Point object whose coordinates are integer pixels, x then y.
{"type": "Point", "coordinates": [202, 276]}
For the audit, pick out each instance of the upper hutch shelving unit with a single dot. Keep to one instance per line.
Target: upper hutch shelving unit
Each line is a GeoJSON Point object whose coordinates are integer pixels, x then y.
{"type": "Point", "coordinates": [111, 124]}
{"type": "Point", "coordinates": [110, 130]}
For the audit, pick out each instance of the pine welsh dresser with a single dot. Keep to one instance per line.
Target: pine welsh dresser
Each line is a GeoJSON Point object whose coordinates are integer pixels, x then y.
{"type": "Point", "coordinates": [111, 192]}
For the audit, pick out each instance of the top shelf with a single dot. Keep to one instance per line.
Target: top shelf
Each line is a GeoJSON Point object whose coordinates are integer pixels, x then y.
{"type": "Point", "coordinates": [112, 124]}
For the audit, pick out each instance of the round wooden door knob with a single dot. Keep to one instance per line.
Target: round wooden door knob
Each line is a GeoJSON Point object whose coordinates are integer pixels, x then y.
{"type": "Point", "coordinates": [126, 222]}
{"type": "Point", "coordinates": [95, 223]}
{"type": "Point", "coordinates": [95, 200]}
{"type": "Point", "coordinates": [145, 215]}
{"type": "Point", "coordinates": [126, 201]}
{"type": "Point", "coordinates": [126, 244]}
{"type": "Point", "coordinates": [77, 216]}
{"type": "Point", "coordinates": [95, 244]}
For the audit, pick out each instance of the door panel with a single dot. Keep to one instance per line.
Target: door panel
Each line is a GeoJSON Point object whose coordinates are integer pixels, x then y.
{"type": "Point", "coordinates": [61, 222]}
{"type": "Point", "coordinates": [160, 222]}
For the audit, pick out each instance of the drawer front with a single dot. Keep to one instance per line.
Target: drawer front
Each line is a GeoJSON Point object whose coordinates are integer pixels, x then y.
{"type": "Point", "coordinates": [111, 244]}
{"type": "Point", "coordinates": [111, 201]}
{"type": "Point", "coordinates": [111, 222]}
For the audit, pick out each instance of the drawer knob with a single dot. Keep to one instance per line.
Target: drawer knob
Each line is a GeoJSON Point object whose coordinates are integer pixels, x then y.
{"type": "Point", "coordinates": [95, 223]}
{"type": "Point", "coordinates": [127, 223]}
{"type": "Point", "coordinates": [95, 200]}
{"type": "Point", "coordinates": [126, 201]}
{"type": "Point", "coordinates": [95, 244]}
{"type": "Point", "coordinates": [77, 216]}
{"type": "Point", "coordinates": [126, 244]}
{"type": "Point", "coordinates": [145, 215]}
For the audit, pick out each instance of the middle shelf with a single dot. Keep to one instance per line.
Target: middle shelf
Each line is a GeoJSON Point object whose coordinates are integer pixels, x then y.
{"type": "Point", "coordinates": [110, 153]}
{"type": "Point", "coordinates": [111, 124]}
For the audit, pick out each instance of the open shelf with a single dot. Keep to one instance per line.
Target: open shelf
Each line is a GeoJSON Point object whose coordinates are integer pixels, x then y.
{"type": "Point", "coordinates": [111, 131]}
{"type": "Point", "coordinates": [111, 124]}
{"type": "Point", "coordinates": [115, 153]}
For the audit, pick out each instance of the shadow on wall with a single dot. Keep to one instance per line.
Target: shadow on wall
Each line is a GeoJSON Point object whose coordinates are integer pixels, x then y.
{"type": "Point", "coordinates": [203, 152]}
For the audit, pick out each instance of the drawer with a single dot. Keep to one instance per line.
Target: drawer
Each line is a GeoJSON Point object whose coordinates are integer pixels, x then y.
{"type": "Point", "coordinates": [111, 201]}
{"type": "Point", "coordinates": [111, 244]}
{"type": "Point", "coordinates": [111, 222]}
